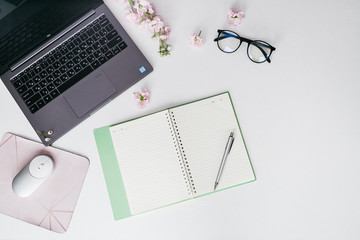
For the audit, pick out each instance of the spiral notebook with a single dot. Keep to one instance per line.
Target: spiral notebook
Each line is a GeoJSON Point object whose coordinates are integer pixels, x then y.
{"type": "Point", "coordinates": [172, 155]}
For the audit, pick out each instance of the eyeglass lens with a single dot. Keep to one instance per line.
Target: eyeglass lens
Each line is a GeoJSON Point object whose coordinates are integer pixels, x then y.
{"type": "Point", "coordinates": [257, 51]}
{"type": "Point", "coordinates": [228, 41]}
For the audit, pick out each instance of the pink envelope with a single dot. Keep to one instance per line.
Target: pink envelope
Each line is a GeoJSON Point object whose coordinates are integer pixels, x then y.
{"type": "Point", "coordinates": [51, 206]}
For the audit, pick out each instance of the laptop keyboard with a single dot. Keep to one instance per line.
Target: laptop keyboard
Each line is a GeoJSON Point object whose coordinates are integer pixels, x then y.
{"type": "Point", "coordinates": [68, 63]}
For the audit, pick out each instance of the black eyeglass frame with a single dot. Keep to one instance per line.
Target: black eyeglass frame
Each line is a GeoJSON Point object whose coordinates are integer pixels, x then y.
{"type": "Point", "coordinates": [248, 41]}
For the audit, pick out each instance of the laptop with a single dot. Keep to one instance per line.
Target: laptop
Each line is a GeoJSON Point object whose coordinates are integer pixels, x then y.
{"type": "Point", "coordinates": [62, 60]}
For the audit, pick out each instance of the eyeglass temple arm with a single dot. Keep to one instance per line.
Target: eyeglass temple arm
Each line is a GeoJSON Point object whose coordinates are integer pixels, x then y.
{"type": "Point", "coordinates": [226, 35]}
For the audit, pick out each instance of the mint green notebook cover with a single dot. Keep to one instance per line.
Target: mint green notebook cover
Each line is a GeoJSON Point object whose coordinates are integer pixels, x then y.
{"type": "Point", "coordinates": [111, 170]}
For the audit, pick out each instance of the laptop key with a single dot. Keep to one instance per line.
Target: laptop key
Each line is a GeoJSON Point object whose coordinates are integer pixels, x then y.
{"type": "Point", "coordinates": [76, 51]}
{"type": "Point", "coordinates": [14, 79]}
{"type": "Point", "coordinates": [36, 88]}
{"type": "Point", "coordinates": [43, 83]}
{"type": "Point", "coordinates": [63, 69]}
{"type": "Point", "coordinates": [70, 55]}
{"type": "Point", "coordinates": [109, 27]}
{"type": "Point", "coordinates": [97, 45]}
{"type": "Point", "coordinates": [40, 103]}
{"type": "Point", "coordinates": [54, 93]}
{"type": "Point", "coordinates": [90, 42]}
{"type": "Point", "coordinates": [103, 32]}
{"type": "Point", "coordinates": [104, 22]}
{"type": "Point", "coordinates": [50, 78]}
{"type": "Point", "coordinates": [83, 55]}
{"type": "Point", "coordinates": [33, 99]}
{"type": "Point", "coordinates": [47, 98]}
{"type": "Point", "coordinates": [24, 79]}
{"type": "Point", "coordinates": [97, 27]}
{"type": "Point", "coordinates": [43, 74]}
{"type": "Point", "coordinates": [63, 60]}
{"type": "Point", "coordinates": [97, 54]}
{"type": "Point", "coordinates": [64, 51]}
{"type": "Point", "coordinates": [77, 68]}
{"type": "Point", "coordinates": [77, 41]}
{"type": "Point", "coordinates": [111, 35]}
{"type": "Point", "coordinates": [104, 49]}
{"type": "Point", "coordinates": [95, 64]}
{"type": "Point", "coordinates": [57, 55]}
{"type": "Point", "coordinates": [90, 32]}
{"type": "Point", "coordinates": [71, 73]}
{"type": "Point", "coordinates": [58, 82]}
{"type": "Point", "coordinates": [70, 64]}
{"type": "Point", "coordinates": [70, 46]}
{"type": "Point", "coordinates": [50, 69]}
{"type": "Point", "coordinates": [22, 89]}
{"type": "Point", "coordinates": [83, 46]}
{"type": "Point", "coordinates": [64, 78]}
{"type": "Point", "coordinates": [37, 79]}
{"type": "Point", "coordinates": [102, 60]}
{"type": "Point", "coordinates": [115, 50]}
{"type": "Point", "coordinates": [30, 84]}
{"type": "Point", "coordinates": [44, 91]}
{"type": "Point", "coordinates": [44, 64]}
{"type": "Point", "coordinates": [96, 36]}
{"type": "Point", "coordinates": [57, 74]}
{"type": "Point", "coordinates": [77, 59]}
{"type": "Point", "coordinates": [123, 45]}
{"type": "Point", "coordinates": [27, 94]}
{"type": "Point", "coordinates": [91, 58]}
{"type": "Point", "coordinates": [103, 41]}
{"type": "Point", "coordinates": [51, 60]}
{"type": "Point", "coordinates": [57, 64]}
{"type": "Point", "coordinates": [90, 50]}
{"type": "Point", "coordinates": [83, 36]}
{"type": "Point", "coordinates": [37, 69]}
{"type": "Point", "coordinates": [50, 87]}
{"type": "Point", "coordinates": [109, 55]}
{"type": "Point", "coordinates": [33, 108]}
{"type": "Point", "coordinates": [114, 42]}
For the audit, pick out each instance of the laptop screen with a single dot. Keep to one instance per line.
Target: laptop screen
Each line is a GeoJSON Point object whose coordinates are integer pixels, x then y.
{"type": "Point", "coordinates": [26, 24]}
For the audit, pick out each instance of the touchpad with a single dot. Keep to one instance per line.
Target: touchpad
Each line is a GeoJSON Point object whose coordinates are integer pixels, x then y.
{"type": "Point", "coordinates": [89, 93]}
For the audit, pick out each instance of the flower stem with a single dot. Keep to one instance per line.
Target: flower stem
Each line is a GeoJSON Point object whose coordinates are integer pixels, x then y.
{"type": "Point", "coordinates": [199, 33]}
{"type": "Point", "coordinates": [131, 3]}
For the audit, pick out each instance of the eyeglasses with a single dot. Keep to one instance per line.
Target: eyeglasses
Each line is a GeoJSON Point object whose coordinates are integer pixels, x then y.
{"type": "Point", "coordinates": [258, 51]}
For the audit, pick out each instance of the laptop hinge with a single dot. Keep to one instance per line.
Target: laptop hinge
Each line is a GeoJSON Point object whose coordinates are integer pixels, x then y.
{"type": "Point", "coordinates": [65, 31]}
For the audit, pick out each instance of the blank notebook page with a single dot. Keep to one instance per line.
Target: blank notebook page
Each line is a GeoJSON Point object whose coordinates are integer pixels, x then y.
{"type": "Point", "coordinates": [149, 163]}
{"type": "Point", "coordinates": [204, 127]}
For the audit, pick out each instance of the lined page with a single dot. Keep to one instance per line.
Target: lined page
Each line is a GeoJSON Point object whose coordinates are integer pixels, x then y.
{"type": "Point", "coordinates": [149, 162]}
{"type": "Point", "coordinates": [204, 127]}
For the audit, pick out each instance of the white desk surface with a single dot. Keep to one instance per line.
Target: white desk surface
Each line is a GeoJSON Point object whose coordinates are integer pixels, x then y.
{"type": "Point", "coordinates": [299, 115]}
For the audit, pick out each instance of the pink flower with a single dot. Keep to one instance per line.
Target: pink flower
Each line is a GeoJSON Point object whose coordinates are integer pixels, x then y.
{"type": "Point", "coordinates": [144, 6]}
{"type": "Point", "coordinates": [156, 24]}
{"type": "Point", "coordinates": [165, 33]}
{"type": "Point", "coordinates": [132, 16]}
{"type": "Point", "coordinates": [196, 40]}
{"type": "Point", "coordinates": [142, 97]}
{"type": "Point", "coordinates": [235, 16]}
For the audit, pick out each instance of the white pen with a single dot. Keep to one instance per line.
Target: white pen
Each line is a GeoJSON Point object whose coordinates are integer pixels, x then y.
{"type": "Point", "coordinates": [226, 153]}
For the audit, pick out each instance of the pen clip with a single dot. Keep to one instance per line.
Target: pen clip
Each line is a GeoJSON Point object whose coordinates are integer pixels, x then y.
{"type": "Point", "coordinates": [231, 143]}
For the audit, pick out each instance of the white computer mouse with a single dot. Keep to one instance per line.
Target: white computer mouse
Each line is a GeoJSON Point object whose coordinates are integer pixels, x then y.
{"type": "Point", "coordinates": [32, 175]}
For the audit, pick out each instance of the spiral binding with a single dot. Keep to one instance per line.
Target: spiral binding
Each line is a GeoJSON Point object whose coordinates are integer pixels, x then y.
{"type": "Point", "coordinates": [184, 164]}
